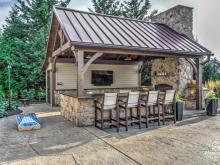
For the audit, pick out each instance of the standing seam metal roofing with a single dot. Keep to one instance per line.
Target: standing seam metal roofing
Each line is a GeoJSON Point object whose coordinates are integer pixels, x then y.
{"type": "Point", "coordinates": [84, 28]}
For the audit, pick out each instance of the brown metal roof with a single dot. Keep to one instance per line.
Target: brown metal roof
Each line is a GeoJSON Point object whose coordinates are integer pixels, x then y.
{"type": "Point", "coordinates": [92, 29]}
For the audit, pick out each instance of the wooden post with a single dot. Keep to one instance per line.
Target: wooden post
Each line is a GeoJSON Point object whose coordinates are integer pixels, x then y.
{"type": "Point", "coordinates": [140, 69]}
{"type": "Point", "coordinates": [53, 81]}
{"type": "Point", "coordinates": [80, 73]}
{"type": "Point", "coordinates": [198, 84]}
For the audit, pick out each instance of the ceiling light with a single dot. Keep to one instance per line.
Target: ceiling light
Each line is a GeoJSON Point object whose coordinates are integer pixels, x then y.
{"type": "Point", "coordinates": [128, 58]}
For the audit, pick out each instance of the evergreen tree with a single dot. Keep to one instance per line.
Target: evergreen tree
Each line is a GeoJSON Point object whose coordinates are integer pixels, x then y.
{"type": "Point", "coordinates": [136, 9]}
{"type": "Point", "coordinates": [110, 7]}
{"type": "Point", "coordinates": [211, 70]}
{"type": "Point", "coordinates": [23, 43]}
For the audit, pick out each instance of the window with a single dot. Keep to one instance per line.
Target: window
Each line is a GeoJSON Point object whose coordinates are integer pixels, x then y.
{"type": "Point", "coordinates": [102, 78]}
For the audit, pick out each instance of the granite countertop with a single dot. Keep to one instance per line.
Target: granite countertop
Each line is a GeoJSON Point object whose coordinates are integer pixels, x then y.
{"type": "Point", "coordinates": [92, 95]}
{"type": "Point", "coordinates": [85, 96]}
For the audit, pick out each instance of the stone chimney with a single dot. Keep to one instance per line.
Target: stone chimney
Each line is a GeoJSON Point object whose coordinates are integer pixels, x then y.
{"type": "Point", "coordinates": [179, 18]}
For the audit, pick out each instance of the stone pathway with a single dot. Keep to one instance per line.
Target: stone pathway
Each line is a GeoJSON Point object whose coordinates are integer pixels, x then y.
{"type": "Point", "coordinates": [191, 142]}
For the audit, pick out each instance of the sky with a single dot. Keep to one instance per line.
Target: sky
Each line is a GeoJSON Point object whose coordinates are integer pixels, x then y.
{"type": "Point", "coordinates": [206, 17]}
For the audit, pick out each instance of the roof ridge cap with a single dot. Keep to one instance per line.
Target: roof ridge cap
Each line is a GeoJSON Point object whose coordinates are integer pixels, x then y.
{"type": "Point", "coordinates": [106, 15]}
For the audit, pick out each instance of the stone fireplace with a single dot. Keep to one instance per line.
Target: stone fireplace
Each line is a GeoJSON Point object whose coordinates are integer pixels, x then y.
{"type": "Point", "coordinates": [175, 72]}
{"type": "Point", "coordinates": [163, 87]}
{"type": "Point", "coordinates": [165, 71]}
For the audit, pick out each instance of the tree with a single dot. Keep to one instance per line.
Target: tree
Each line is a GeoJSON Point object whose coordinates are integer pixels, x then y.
{"type": "Point", "coordinates": [137, 9]}
{"type": "Point", "coordinates": [211, 70]}
{"type": "Point", "coordinates": [23, 43]}
{"type": "Point", "coordinates": [110, 7]}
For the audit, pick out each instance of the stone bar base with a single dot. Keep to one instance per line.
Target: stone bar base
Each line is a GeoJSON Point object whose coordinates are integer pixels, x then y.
{"type": "Point", "coordinates": [80, 111]}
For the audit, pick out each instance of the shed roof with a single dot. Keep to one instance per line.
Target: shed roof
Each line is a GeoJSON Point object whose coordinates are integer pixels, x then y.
{"type": "Point", "coordinates": [99, 30]}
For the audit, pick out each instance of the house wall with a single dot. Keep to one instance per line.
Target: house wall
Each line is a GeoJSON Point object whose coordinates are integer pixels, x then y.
{"type": "Point", "coordinates": [123, 76]}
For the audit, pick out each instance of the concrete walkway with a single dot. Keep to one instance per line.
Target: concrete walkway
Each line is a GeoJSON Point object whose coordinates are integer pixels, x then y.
{"type": "Point", "coordinates": [192, 142]}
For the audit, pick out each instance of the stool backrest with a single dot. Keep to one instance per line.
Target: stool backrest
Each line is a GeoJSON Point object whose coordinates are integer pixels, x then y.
{"type": "Point", "coordinates": [169, 97]}
{"type": "Point", "coordinates": [110, 101]}
{"type": "Point", "coordinates": [152, 97]}
{"type": "Point", "coordinates": [133, 99]}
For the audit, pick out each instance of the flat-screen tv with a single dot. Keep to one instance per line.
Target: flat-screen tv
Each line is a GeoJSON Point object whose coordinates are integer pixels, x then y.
{"type": "Point", "coordinates": [102, 78]}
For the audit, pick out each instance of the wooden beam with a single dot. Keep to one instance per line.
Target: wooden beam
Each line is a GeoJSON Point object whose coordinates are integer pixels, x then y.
{"type": "Point", "coordinates": [115, 62]}
{"type": "Point", "coordinates": [60, 33]}
{"type": "Point", "coordinates": [54, 64]}
{"type": "Point", "coordinates": [64, 48]}
{"type": "Point", "coordinates": [80, 73]}
{"type": "Point", "coordinates": [55, 34]}
{"type": "Point", "coordinates": [106, 62]}
{"type": "Point", "coordinates": [131, 52]}
{"type": "Point", "coordinates": [74, 53]}
{"type": "Point", "coordinates": [192, 63]}
{"type": "Point", "coordinates": [65, 60]}
{"type": "Point", "coordinates": [199, 84]}
{"type": "Point", "coordinates": [94, 57]}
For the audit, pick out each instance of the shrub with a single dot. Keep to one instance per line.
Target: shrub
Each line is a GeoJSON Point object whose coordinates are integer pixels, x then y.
{"type": "Point", "coordinates": [1, 92]}
{"type": "Point", "coordinates": [41, 93]}
{"type": "Point", "coordinates": [214, 86]}
{"type": "Point", "coordinates": [28, 94]}
{"type": "Point", "coordinates": [210, 96]}
{"type": "Point", "coordinates": [179, 96]}
{"type": "Point", "coordinates": [3, 108]}
{"type": "Point", "coordinates": [4, 104]}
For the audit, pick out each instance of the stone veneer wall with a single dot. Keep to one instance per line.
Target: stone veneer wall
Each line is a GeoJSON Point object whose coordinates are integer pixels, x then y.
{"type": "Point", "coordinates": [185, 73]}
{"type": "Point", "coordinates": [179, 18]}
{"type": "Point", "coordinates": [79, 111]}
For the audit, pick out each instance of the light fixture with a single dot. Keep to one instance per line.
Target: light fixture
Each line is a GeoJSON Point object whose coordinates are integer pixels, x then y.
{"type": "Point", "coordinates": [128, 58]}
{"type": "Point", "coordinates": [88, 57]}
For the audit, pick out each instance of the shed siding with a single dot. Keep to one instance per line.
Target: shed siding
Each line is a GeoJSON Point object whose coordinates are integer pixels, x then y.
{"type": "Point", "coordinates": [67, 75]}
{"type": "Point", "coordinates": [123, 76]}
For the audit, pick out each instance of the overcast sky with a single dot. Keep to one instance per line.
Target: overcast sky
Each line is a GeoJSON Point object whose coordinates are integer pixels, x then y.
{"type": "Point", "coordinates": [206, 17]}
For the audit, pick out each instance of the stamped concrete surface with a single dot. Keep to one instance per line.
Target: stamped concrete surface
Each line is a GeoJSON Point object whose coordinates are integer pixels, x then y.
{"type": "Point", "coordinates": [193, 141]}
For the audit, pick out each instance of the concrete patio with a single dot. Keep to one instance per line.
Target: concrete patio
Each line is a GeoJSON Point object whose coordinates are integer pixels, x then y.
{"type": "Point", "coordinates": [193, 141]}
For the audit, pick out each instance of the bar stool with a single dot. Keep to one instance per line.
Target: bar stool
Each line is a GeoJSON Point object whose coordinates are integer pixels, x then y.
{"type": "Point", "coordinates": [132, 102]}
{"type": "Point", "coordinates": [151, 102]}
{"type": "Point", "coordinates": [108, 104]}
{"type": "Point", "coordinates": [168, 101]}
